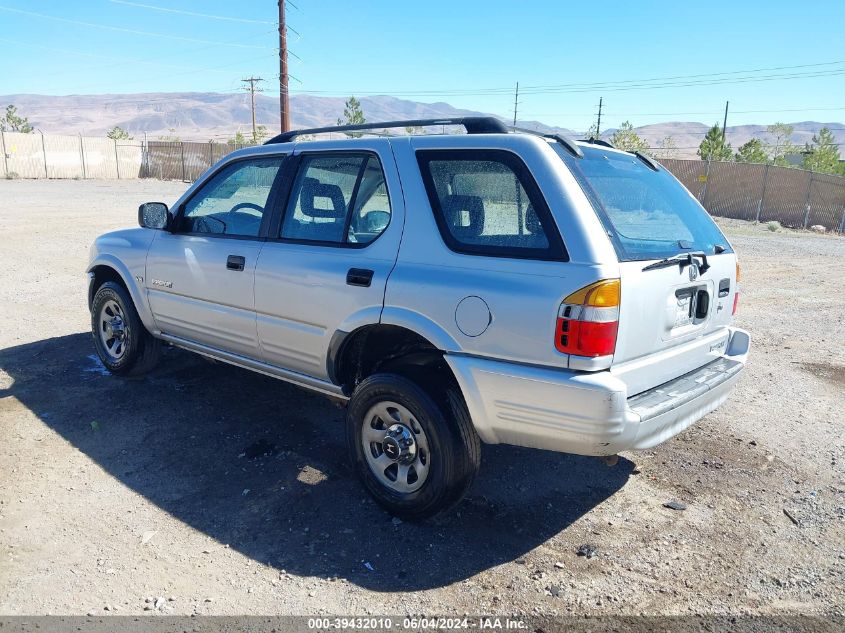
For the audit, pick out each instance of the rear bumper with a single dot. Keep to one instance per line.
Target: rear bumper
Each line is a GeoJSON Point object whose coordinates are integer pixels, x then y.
{"type": "Point", "coordinates": [590, 413]}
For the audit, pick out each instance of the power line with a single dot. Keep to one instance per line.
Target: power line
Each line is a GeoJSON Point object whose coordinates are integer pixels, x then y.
{"type": "Point", "coordinates": [711, 112]}
{"type": "Point", "coordinates": [132, 31]}
{"type": "Point", "coordinates": [688, 84]}
{"type": "Point", "coordinates": [652, 83]}
{"type": "Point", "coordinates": [190, 13]}
{"type": "Point", "coordinates": [118, 61]}
{"type": "Point", "coordinates": [696, 76]}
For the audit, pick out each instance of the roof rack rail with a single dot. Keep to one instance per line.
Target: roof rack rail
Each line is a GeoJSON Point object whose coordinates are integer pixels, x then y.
{"type": "Point", "coordinates": [472, 124]}
{"type": "Point", "coordinates": [567, 142]}
{"type": "Point", "coordinates": [648, 160]}
{"type": "Point", "coordinates": [599, 141]}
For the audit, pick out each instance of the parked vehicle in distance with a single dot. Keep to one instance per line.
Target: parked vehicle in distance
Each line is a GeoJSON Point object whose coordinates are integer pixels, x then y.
{"type": "Point", "coordinates": [450, 289]}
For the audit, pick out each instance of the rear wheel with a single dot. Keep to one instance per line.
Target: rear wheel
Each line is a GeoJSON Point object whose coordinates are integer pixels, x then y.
{"type": "Point", "coordinates": [122, 342]}
{"type": "Point", "coordinates": [414, 448]}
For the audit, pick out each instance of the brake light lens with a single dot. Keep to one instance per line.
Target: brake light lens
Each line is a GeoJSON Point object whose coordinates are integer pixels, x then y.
{"type": "Point", "coordinates": [588, 320]}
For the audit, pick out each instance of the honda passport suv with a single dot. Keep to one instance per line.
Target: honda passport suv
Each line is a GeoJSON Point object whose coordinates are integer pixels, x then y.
{"type": "Point", "coordinates": [449, 289]}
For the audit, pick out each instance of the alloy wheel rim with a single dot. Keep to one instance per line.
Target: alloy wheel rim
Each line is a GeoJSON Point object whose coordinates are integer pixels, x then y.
{"type": "Point", "coordinates": [395, 447]}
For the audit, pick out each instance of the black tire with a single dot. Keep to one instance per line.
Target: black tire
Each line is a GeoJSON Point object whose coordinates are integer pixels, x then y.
{"type": "Point", "coordinates": [142, 350]}
{"type": "Point", "coordinates": [455, 451]}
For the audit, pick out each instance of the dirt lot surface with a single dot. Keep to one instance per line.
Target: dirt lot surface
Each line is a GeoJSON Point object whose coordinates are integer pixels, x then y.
{"type": "Point", "coordinates": [207, 489]}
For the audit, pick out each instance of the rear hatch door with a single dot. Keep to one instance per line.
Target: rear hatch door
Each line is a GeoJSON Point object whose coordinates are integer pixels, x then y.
{"type": "Point", "coordinates": [672, 319]}
{"type": "Point", "coordinates": [677, 269]}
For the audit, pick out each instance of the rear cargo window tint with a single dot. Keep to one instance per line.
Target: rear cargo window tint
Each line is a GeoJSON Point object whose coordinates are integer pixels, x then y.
{"type": "Point", "coordinates": [647, 213]}
{"type": "Point", "coordinates": [486, 203]}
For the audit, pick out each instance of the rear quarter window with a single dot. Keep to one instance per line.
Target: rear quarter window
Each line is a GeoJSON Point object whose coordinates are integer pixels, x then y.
{"type": "Point", "coordinates": [486, 202]}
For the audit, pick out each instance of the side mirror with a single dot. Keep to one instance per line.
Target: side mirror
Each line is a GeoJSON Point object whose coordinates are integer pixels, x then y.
{"type": "Point", "coordinates": [154, 215]}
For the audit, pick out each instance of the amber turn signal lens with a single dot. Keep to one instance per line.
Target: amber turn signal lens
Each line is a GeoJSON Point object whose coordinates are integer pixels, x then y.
{"type": "Point", "coordinates": [602, 294]}
{"type": "Point", "coordinates": [737, 272]}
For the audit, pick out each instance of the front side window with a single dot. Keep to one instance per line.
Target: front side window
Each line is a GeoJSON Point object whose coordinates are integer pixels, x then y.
{"type": "Point", "coordinates": [486, 203]}
{"type": "Point", "coordinates": [234, 201]}
{"type": "Point", "coordinates": [337, 199]}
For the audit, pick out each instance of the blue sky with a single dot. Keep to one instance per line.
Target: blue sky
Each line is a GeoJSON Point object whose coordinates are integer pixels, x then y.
{"type": "Point", "coordinates": [467, 53]}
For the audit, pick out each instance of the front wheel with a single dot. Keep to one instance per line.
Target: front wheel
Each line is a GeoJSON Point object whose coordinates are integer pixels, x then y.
{"type": "Point", "coordinates": [122, 342]}
{"type": "Point", "coordinates": [414, 449]}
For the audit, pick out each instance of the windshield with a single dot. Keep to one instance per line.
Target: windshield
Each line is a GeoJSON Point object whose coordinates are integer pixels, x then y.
{"type": "Point", "coordinates": [648, 214]}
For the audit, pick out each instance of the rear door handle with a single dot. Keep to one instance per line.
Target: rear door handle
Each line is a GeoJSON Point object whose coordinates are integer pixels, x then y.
{"type": "Point", "coordinates": [359, 277]}
{"type": "Point", "coordinates": [235, 262]}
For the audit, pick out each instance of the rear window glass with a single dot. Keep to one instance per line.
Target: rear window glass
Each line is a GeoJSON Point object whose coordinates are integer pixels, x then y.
{"type": "Point", "coordinates": [647, 213]}
{"type": "Point", "coordinates": [486, 203]}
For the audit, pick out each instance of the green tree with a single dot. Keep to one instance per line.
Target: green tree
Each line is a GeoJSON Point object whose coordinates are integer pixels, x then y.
{"type": "Point", "coordinates": [668, 148]}
{"type": "Point", "coordinates": [752, 152]}
{"type": "Point", "coordinates": [354, 115]}
{"type": "Point", "coordinates": [261, 133]}
{"type": "Point", "coordinates": [713, 147]}
{"type": "Point", "coordinates": [625, 138]}
{"type": "Point", "coordinates": [118, 134]}
{"type": "Point", "coordinates": [12, 122]}
{"type": "Point", "coordinates": [592, 132]}
{"type": "Point", "coordinates": [823, 155]}
{"type": "Point", "coordinates": [783, 144]}
{"type": "Point", "coordinates": [239, 139]}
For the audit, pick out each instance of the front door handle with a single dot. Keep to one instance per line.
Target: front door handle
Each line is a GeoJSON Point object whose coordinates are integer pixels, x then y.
{"type": "Point", "coordinates": [359, 277]}
{"type": "Point", "coordinates": [235, 262]}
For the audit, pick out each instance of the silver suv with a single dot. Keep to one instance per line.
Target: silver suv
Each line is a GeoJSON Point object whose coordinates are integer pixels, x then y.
{"type": "Point", "coordinates": [449, 289]}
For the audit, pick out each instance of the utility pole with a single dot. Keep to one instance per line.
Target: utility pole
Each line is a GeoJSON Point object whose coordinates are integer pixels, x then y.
{"type": "Point", "coordinates": [598, 121]}
{"type": "Point", "coordinates": [252, 81]}
{"type": "Point", "coordinates": [515, 104]}
{"type": "Point", "coordinates": [725, 123]}
{"type": "Point", "coordinates": [284, 103]}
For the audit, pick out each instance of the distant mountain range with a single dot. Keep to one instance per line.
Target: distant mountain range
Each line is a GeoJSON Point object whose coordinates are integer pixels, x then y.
{"type": "Point", "coordinates": [206, 115]}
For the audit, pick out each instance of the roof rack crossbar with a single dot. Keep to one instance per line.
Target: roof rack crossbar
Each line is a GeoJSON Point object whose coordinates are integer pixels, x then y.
{"type": "Point", "coordinates": [472, 124]}
{"type": "Point", "coordinates": [567, 142]}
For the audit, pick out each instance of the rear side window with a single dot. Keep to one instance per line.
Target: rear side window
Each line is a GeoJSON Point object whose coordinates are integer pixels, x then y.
{"type": "Point", "coordinates": [485, 202]}
{"type": "Point", "coordinates": [647, 213]}
{"type": "Point", "coordinates": [337, 199]}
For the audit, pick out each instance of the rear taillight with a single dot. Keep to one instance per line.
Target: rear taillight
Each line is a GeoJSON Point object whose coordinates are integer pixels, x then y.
{"type": "Point", "coordinates": [588, 320]}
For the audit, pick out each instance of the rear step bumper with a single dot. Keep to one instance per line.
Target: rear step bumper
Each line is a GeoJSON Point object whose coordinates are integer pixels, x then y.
{"type": "Point", "coordinates": [590, 413]}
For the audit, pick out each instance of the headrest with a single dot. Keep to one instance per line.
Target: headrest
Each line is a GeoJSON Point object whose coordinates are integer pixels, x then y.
{"type": "Point", "coordinates": [532, 221]}
{"type": "Point", "coordinates": [320, 200]}
{"type": "Point", "coordinates": [464, 215]}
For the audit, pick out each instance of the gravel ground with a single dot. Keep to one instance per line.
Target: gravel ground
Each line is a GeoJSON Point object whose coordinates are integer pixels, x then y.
{"type": "Point", "coordinates": [207, 489]}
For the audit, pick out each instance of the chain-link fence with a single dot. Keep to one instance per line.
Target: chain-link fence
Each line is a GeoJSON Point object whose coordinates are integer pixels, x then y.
{"type": "Point", "coordinates": [794, 197]}
{"type": "Point", "coordinates": [63, 156]}
{"type": "Point", "coordinates": [182, 160]}
{"type": "Point", "coordinates": [38, 155]}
